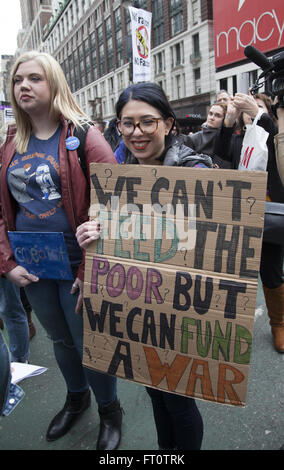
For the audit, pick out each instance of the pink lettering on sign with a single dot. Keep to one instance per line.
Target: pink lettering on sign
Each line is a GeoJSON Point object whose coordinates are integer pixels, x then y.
{"type": "Point", "coordinates": [117, 279]}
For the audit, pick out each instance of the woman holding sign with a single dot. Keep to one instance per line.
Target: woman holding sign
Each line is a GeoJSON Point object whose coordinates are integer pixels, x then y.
{"type": "Point", "coordinates": [43, 189]}
{"type": "Point", "coordinates": [146, 120]}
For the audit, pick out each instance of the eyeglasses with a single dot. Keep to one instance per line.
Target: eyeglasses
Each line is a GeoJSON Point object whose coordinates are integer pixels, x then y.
{"type": "Point", "coordinates": [146, 126]}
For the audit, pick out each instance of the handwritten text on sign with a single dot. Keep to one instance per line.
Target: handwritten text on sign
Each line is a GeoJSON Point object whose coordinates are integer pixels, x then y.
{"type": "Point", "coordinates": [170, 289]}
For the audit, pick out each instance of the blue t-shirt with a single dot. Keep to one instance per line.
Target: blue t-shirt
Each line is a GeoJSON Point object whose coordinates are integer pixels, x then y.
{"type": "Point", "coordinates": [34, 180]}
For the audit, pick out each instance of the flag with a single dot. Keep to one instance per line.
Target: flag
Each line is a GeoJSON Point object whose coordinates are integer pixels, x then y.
{"type": "Point", "coordinates": [141, 44]}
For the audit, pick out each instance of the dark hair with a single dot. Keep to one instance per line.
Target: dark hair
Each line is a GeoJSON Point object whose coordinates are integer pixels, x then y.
{"type": "Point", "coordinates": [268, 103]}
{"type": "Point", "coordinates": [150, 93]}
{"type": "Point", "coordinates": [111, 135]}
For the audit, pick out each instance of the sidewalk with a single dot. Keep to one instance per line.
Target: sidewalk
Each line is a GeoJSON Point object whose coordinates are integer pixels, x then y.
{"type": "Point", "coordinates": [258, 426]}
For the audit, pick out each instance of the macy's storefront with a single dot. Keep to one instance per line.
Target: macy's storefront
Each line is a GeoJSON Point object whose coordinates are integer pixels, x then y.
{"type": "Point", "coordinates": [240, 23]}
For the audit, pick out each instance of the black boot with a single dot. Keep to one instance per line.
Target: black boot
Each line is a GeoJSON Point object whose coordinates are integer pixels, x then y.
{"type": "Point", "coordinates": [75, 405]}
{"type": "Point", "coordinates": [110, 426]}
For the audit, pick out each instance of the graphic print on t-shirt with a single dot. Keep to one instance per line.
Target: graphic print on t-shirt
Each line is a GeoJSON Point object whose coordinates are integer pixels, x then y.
{"type": "Point", "coordinates": [45, 182]}
{"type": "Point", "coordinates": [19, 178]}
{"type": "Point", "coordinates": [34, 181]}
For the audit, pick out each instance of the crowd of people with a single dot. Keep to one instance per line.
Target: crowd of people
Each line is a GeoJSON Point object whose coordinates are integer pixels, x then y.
{"type": "Point", "coordinates": [144, 131]}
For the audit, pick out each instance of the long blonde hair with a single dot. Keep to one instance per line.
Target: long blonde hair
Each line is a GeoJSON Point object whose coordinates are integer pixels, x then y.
{"type": "Point", "coordinates": [61, 103]}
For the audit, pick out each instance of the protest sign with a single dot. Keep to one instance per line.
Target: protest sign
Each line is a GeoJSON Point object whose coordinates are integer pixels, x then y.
{"type": "Point", "coordinates": [141, 44]}
{"type": "Point", "coordinates": [170, 288]}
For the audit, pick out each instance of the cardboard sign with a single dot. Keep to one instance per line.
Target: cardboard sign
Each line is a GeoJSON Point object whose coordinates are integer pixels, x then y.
{"type": "Point", "coordinates": [170, 288]}
{"type": "Point", "coordinates": [43, 254]}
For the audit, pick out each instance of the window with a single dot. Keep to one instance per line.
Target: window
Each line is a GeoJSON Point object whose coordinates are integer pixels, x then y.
{"type": "Point", "coordinates": [106, 5]}
{"type": "Point", "coordinates": [108, 27]}
{"type": "Point", "coordinates": [77, 10]}
{"type": "Point", "coordinates": [195, 11]}
{"type": "Point", "coordinates": [82, 65]}
{"type": "Point", "coordinates": [94, 56]}
{"type": "Point", "coordinates": [71, 16]}
{"type": "Point", "coordinates": [178, 86]}
{"type": "Point", "coordinates": [224, 84]}
{"type": "Point", "coordinates": [83, 99]}
{"type": "Point", "coordinates": [197, 81]}
{"type": "Point", "coordinates": [99, 13]}
{"type": "Point", "coordinates": [235, 88]}
{"type": "Point", "coordinates": [176, 17]}
{"type": "Point", "coordinates": [102, 59]}
{"type": "Point", "coordinates": [77, 70]}
{"type": "Point", "coordinates": [100, 34]}
{"type": "Point", "coordinates": [176, 24]}
{"type": "Point", "coordinates": [177, 56]}
{"type": "Point", "coordinates": [119, 48]}
{"type": "Point", "coordinates": [103, 89]}
{"type": "Point", "coordinates": [112, 106]}
{"type": "Point", "coordinates": [71, 70]}
{"type": "Point", "coordinates": [110, 56]}
{"type": "Point", "coordinates": [195, 45]}
{"type": "Point", "coordinates": [110, 85]}
{"type": "Point", "coordinates": [159, 62]}
{"type": "Point", "coordinates": [117, 19]}
{"type": "Point", "coordinates": [158, 21]}
{"type": "Point", "coordinates": [120, 81]}
{"type": "Point", "coordinates": [88, 61]}
{"type": "Point", "coordinates": [66, 70]}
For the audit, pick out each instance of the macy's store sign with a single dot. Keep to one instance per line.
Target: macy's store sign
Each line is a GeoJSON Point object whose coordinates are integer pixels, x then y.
{"type": "Point", "coordinates": [239, 23]}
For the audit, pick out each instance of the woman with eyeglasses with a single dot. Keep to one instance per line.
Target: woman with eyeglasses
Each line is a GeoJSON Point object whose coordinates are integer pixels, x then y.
{"type": "Point", "coordinates": [146, 121]}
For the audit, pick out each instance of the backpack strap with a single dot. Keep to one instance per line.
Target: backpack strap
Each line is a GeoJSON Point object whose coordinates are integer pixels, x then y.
{"type": "Point", "coordinates": [81, 134]}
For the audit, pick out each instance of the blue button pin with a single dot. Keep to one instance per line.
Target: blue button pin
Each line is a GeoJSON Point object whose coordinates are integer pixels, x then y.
{"type": "Point", "coordinates": [72, 143]}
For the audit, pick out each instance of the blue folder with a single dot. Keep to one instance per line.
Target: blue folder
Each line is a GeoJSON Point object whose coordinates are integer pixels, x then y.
{"type": "Point", "coordinates": [43, 254]}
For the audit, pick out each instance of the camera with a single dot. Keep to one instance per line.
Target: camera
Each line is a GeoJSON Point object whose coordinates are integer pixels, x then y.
{"type": "Point", "coordinates": [272, 76]}
{"type": "Point", "coordinates": [275, 78]}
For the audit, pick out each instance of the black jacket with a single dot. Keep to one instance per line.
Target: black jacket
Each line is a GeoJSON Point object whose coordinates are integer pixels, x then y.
{"type": "Point", "coordinates": [178, 154]}
{"type": "Point", "coordinates": [228, 145]}
{"type": "Point", "coordinates": [204, 142]}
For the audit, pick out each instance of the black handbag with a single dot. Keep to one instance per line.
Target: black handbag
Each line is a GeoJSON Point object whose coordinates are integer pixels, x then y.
{"type": "Point", "coordinates": [274, 223]}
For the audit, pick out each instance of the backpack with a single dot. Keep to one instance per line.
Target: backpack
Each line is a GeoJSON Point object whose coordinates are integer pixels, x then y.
{"type": "Point", "coordinates": [81, 134]}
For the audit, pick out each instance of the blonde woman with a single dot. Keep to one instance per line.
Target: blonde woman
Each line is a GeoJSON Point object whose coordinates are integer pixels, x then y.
{"type": "Point", "coordinates": [43, 188]}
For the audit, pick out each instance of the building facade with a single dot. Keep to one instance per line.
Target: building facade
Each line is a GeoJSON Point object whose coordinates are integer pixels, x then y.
{"type": "Point", "coordinates": [6, 115]}
{"type": "Point", "coordinates": [197, 48]}
{"type": "Point", "coordinates": [35, 15]}
{"type": "Point", "coordinates": [91, 40]}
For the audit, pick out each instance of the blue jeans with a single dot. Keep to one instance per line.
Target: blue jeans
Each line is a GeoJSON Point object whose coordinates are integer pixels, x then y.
{"type": "Point", "coordinates": [15, 319]}
{"type": "Point", "coordinates": [178, 421]}
{"type": "Point", "coordinates": [55, 308]}
{"type": "Point", "coordinates": [5, 375]}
